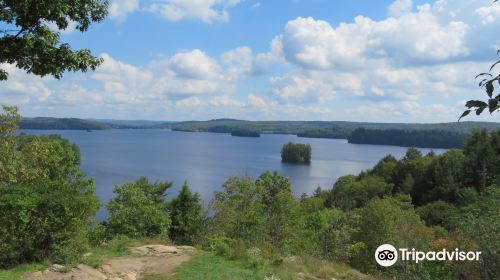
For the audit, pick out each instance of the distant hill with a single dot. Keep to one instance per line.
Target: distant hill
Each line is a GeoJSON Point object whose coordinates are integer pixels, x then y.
{"type": "Point", "coordinates": [62, 123]}
{"type": "Point", "coordinates": [131, 122]}
{"type": "Point", "coordinates": [401, 134]}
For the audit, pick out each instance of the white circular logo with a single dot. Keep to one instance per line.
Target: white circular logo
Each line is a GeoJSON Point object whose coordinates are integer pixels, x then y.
{"type": "Point", "coordinates": [386, 255]}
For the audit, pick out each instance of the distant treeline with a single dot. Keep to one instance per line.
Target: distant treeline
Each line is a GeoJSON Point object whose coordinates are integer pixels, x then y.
{"type": "Point", "coordinates": [62, 124]}
{"type": "Point", "coordinates": [439, 135]}
{"type": "Point", "coordinates": [408, 138]}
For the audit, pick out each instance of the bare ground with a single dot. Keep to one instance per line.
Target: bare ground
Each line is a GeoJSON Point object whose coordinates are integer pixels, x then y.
{"type": "Point", "coordinates": [149, 259]}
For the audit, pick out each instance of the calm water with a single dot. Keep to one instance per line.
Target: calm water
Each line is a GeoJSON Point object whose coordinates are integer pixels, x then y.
{"type": "Point", "coordinates": [206, 160]}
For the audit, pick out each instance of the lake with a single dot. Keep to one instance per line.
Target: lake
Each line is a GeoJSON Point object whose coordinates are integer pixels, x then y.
{"type": "Point", "coordinates": [207, 160]}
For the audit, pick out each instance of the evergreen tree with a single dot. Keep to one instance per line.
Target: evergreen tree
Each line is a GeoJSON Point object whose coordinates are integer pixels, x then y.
{"type": "Point", "coordinates": [186, 213]}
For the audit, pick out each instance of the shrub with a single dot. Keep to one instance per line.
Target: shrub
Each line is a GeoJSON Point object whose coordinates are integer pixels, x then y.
{"type": "Point", "coordinates": [46, 203]}
{"type": "Point", "coordinates": [45, 220]}
{"type": "Point", "coordinates": [187, 216]}
{"type": "Point", "coordinates": [139, 210]}
{"type": "Point", "coordinates": [355, 194]}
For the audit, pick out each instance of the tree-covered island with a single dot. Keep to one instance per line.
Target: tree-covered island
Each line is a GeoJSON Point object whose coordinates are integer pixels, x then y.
{"type": "Point", "coordinates": [296, 153]}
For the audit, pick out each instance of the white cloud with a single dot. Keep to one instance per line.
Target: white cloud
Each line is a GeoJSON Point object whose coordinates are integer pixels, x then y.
{"type": "Point", "coordinates": [400, 7]}
{"type": "Point", "coordinates": [68, 30]}
{"type": "Point", "coordinates": [298, 88]}
{"type": "Point", "coordinates": [194, 64]}
{"type": "Point", "coordinates": [489, 14]}
{"type": "Point", "coordinates": [256, 5]}
{"type": "Point", "coordinates": [412, 38]}
{"type": "Point", "coordinates": [205, 10]}
{"type": "Point", "coordinates": [225, 101]}
{"type": "Point", "coordinates": [119, 9]}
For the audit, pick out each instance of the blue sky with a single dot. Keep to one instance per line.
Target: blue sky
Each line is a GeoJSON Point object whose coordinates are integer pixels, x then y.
{"type": "Point", "coordinates": [364, 60]}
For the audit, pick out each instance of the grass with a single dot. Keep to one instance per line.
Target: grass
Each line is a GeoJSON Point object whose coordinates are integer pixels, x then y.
{"type": "Point", "coordinates": [18, 272]}
{"type": "Point", "coordinates": [118, 247]}
{"type": "Point", "coordinates": [208, 266]}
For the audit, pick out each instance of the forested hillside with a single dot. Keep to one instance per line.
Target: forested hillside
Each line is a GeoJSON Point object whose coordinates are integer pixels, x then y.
{"type": "Point", "coordinates": [62, 123]}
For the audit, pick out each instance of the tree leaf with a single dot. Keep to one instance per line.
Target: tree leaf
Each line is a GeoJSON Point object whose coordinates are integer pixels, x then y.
{"type": "Point", "coordinates": [475, 103]}
{"type": "Point", "coordinates": [483, 74]}
{"type": "Point", "coordinates": [493, 105]}
{"type": "Point", "coordinates": [480, 110]}
{"type": "Point", "coordinates": [464, 114]}
{"type": "Point", "coordinates": [493, 66]}
{"type": "Point", "coordinates": [490, 88]}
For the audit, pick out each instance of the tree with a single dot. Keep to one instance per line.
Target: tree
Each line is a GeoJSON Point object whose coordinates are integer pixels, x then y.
{"type": "Point", "coordinates": [139, 210]}
{"type": "Point", "coordinates": [256, 212]}
{"type": "Point", "coordinates": [186, 213]}
{"type": "Point", "coordinates": [358, 193]}
{"type": "Point", "coordinates": [489, 79]}
{"type": "Point", "coordinates": [46, 203]}
{"type": "Point", "coordinates": [391, 221]}
{"type": "Point", "coordinates": [28, 42]}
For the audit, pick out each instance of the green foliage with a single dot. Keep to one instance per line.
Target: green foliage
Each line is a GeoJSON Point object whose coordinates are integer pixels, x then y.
{"type": "Point", "coordinates": [444, 178]}
{"type": "Point", "coordinates": [480, 222]}
{"type": "Point", "coordinates": [186, 213]}
{"type": "Point", "coordinates": [439, 213]}
{"type": "Point", "coordinates": [210, 266]}
{"type": "Point", "coordinates": [65, 123]}
{"type": "Point", "coordinates": [296, 153]}
{"type": "Point", "coordinates": [331, 230]}
{"type": "Point", "coordinates": [46, 203]}
{"type": "Point", "coordinates": [139, 210]}
{"type": "Point", "coordinates": [355, 194]}
{"type": "Point", "coordinates": [409, 138]}
{"type": "Point", "coordinates": [118, 246]}
{"type": "Point", "coordinates": [19, 272]}
{"type": "Point", "coordinates": [482, 160]}
{"type": "Point", "coordinates": [28, 42]}
{"type": "Point", "coordinates": [390, 221]}
{"type": "Point", "coordinates": [255, 212]}
{"type": "Point", "coordinates": [488, 81]}
{"type": "Point", "coordinates": [45, 219]}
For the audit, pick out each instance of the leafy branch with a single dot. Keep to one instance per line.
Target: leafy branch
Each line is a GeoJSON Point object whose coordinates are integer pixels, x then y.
{"type": "Point", "coordinates": [488, 82]}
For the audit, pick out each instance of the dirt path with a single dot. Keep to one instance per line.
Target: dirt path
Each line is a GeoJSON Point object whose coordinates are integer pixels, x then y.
{"type": "Point", "coordinates": [150, 259]}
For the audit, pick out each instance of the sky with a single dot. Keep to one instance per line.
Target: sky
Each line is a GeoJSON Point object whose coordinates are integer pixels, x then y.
{"type": "Point", "coordinates": [363, 60]}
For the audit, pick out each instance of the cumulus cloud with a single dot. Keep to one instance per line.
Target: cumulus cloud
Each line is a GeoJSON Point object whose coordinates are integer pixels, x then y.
{"type": "Point", "coordinates": [194, 64]}
{"type": "Point", "coordinates": [299, 88]}
{"type": "Point", "coordinates": [489, 14]}
{"type": "Point", "coordinates": [413, 38]}
{"type": "Point", "coordinates": [205, 10]}
{"type": "Point", "coordinates": [120, 9]}
{"type": "Point", "coordinates": [400, 7]}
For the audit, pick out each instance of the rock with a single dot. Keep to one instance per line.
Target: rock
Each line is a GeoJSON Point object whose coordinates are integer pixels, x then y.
{"type": "Point", "coordinates": [87, 255]}
{"type": "Point", "coordinates": [106, 268]}
{"type": "Point", "coordinates": [130, 276]}
{"type": "Point", "coordinates": [186, 248]}
{"type": "Point", "coordinates": [155, 250]}
{"type": "Point", "coordinates": [87, 272]}
{"type": "Point", "coordinates": [57, 267]}
{"type": "Point", "coordinates": [164, 249]}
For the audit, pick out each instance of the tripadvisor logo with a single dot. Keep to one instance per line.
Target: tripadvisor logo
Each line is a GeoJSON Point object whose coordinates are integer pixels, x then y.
{"type": "Point", "coordinates": [387, 255]}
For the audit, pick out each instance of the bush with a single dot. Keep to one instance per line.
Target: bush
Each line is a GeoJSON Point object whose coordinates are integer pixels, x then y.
{"type": "Point", "coordinates": [296, 153]}
{"type": "Point", "coordinates": [187, 217]}
{"type": "Point", "coordinates": [45, 220]}
{"type": "Point", "coordinates": [355, 194]}
{"type": "Point", "coordinates": [139, 210]}
{"type": "Point", "coordinates": [46, 203]}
